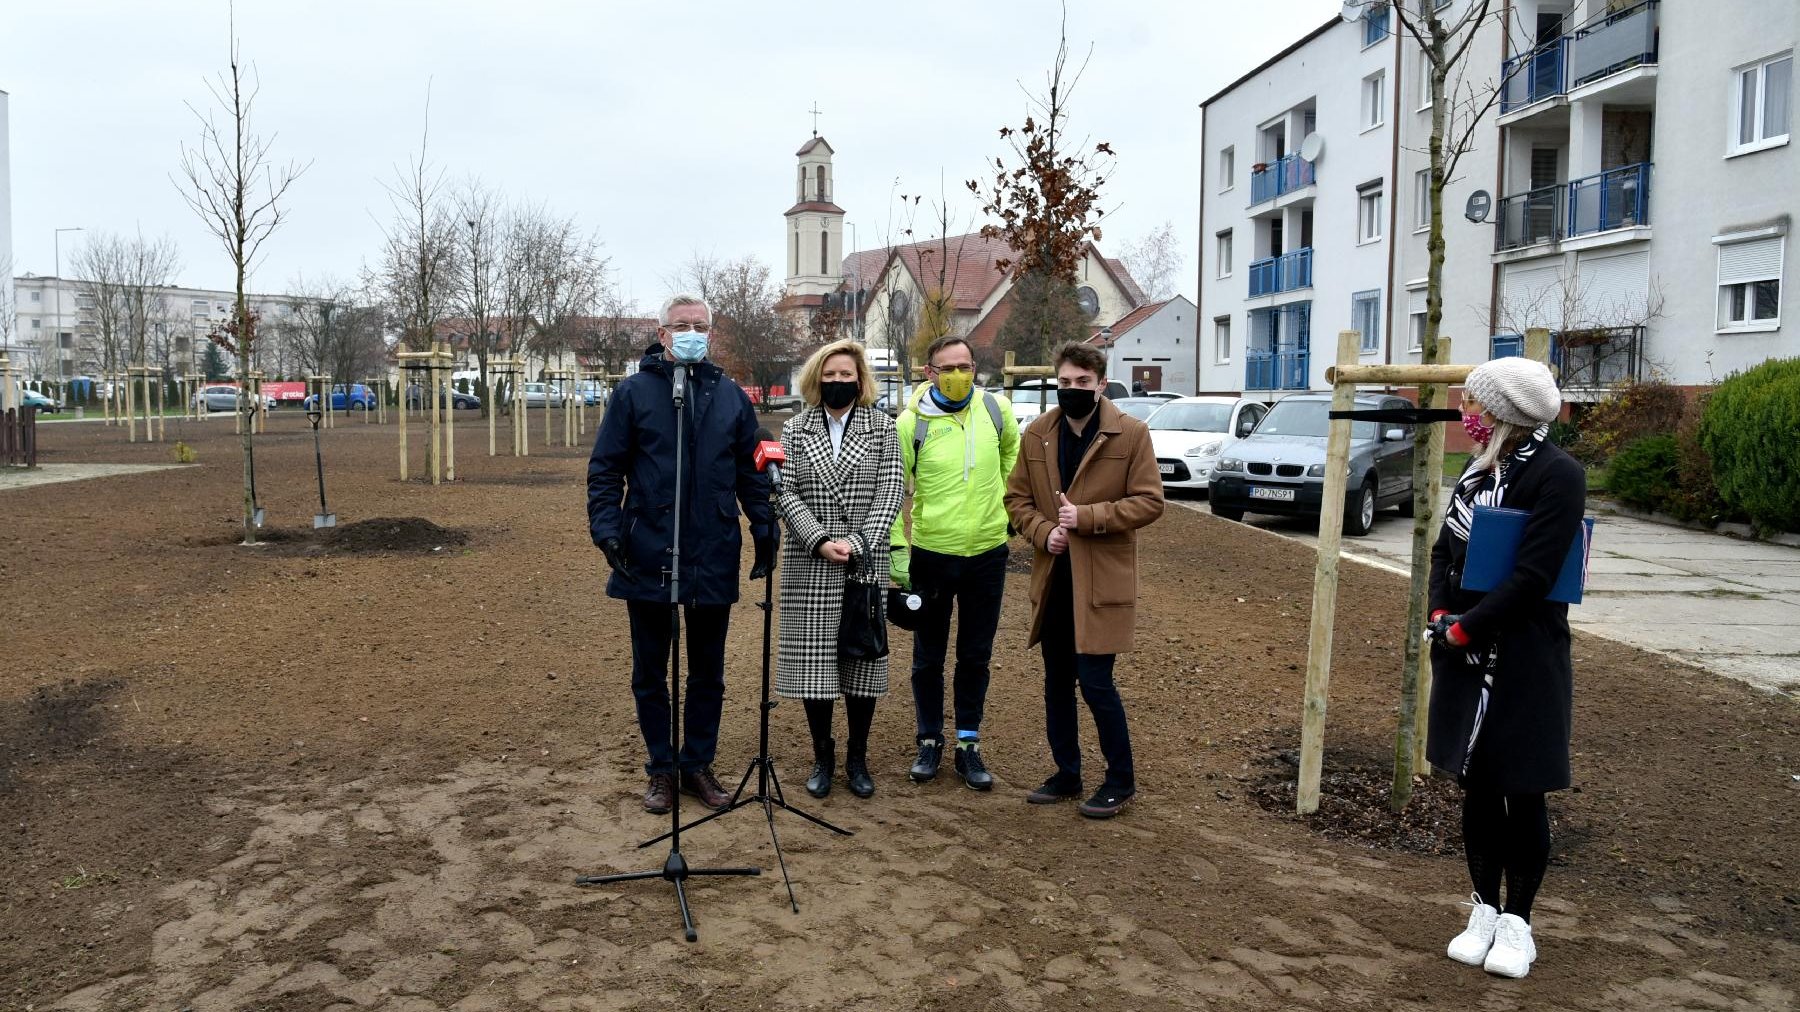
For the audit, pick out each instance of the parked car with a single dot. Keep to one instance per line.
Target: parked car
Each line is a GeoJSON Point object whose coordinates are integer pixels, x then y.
{"type": "Point", "coordinates": [591, 392]}
{"type": "Point", "coordinates": [359, 398]}
{"type": "Point", "coordinates": [1161, 395]}
{"type": "Point", "coordinates": [1140, 408]}
{"type": "Point", "coordinates": [1189, 433]}
{"type": "Point", "coordinates": [1031, 398]}
{"type": "Point", "coordinates": [415, 398]}
{"type": "Point", "coordinates": [223, 397]}
{"type": "Point", "coordinates": [1280, 467]}
{"type": "Point", "coordinates": [536, 394]}
{"type": "Point", "coordinates": [33, 399]}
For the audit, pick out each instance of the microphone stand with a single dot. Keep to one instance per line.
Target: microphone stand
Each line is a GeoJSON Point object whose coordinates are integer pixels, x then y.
{"type": "Point", "coordinates": [675, 869]}
{"type": "Point", "coordinates": [768, 785]}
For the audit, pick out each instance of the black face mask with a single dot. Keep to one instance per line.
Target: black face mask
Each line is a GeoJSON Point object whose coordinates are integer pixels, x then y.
{"type": "Point", "coordinates": [1075, 403]}
{"type": "Point", "coordinates": [839, 394]}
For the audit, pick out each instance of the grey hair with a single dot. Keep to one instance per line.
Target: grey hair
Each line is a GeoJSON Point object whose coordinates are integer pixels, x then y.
{"type": "Point", "coordinates": [1507, 436]}
{"type": "Point", "coordinates": [683, 299]}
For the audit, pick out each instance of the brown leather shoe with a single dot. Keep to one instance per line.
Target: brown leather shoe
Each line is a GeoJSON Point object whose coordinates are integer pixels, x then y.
{"type": "Point", "coordinates": [660, 795]}
{"type": "Point", "coordinates": [703, 785]}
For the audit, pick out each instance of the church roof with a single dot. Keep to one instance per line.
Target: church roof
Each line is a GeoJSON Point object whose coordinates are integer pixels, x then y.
{"type": "Point", "coordinates": [970, 273]}
{"type": "Point", "coordinates": [815, 142]}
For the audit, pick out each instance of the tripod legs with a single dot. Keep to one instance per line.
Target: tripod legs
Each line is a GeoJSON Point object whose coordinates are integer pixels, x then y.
{"type": "Point", "coordinates": [676, 871]}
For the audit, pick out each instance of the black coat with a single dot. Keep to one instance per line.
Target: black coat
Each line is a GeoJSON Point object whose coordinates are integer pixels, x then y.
{"type": "Point", "coordinates": [1523, 743]}
{"type": "Point", "coordinates": [631, 483]}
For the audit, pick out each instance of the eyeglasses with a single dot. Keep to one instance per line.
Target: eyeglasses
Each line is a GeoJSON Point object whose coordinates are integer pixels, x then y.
{"type": "Point", "coordinates": [683, 328]}
{"type": "Point", "coordinates": [953, 368]}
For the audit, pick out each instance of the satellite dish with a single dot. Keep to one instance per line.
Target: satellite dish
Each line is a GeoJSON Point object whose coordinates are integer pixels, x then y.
{"type": "Point", "coordinates": [1480, 202]}
{"type": "Point", "coordinates": [1311, 147]}
{"type": "Point", "coordinates": [898, 304]}
{"type": "Point", "coordinates": [1088, 301]}
{"type": "Point", "coordinates": [1352, 11]}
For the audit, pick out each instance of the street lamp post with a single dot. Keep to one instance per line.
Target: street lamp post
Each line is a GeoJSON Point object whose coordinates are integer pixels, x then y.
{"type": "Point", "coordinates": [80, 411]}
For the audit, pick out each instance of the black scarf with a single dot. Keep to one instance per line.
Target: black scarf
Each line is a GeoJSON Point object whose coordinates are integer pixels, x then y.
{"type": "Point", "coordinates": [1481, 486]}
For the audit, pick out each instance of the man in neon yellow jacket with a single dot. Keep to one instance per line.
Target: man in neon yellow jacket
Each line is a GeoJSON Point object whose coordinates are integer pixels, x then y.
{"type": "Point", "coordinates": [957, 447]}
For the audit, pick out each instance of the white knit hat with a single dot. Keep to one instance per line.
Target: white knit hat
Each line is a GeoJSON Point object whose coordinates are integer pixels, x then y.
{"type": "Point", "coordinates": [1516, 390]}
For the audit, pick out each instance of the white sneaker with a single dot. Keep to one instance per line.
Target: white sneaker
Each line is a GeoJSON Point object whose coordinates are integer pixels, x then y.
{"type": "Point", "coordinates": [1513, 948]}
{"type": "Point", "coordinates": [1472, 945]}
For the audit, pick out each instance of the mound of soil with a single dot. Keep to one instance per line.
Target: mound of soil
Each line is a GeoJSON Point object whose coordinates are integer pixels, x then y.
{"type": "Point", "coordinates": [1353, 804]}
{"type": "Point", "coordinates": [391, 534]}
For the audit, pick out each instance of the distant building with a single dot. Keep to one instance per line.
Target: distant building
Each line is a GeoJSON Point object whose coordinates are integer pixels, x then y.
{"type": "Point", "coordinates": [877, 294]}
{"type": "Point", "coordinates": [1152, 345]}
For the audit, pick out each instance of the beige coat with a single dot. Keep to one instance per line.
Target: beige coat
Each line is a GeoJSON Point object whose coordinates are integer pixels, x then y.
{"type": "Point", "coordinates": [1116, 491]}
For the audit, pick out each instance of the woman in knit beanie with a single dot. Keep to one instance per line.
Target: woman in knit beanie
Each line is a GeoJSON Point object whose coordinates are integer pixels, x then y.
{"type": "Point", "coordinates": [1502, 681]}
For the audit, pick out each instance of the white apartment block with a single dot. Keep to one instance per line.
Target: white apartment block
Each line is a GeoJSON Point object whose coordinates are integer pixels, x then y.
{"type": "Point", "coordinates": [58, 328]}
{"type": "Point", "coordinates": [1641, 180]}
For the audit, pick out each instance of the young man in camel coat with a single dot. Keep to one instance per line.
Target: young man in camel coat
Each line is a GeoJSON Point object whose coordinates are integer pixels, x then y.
{"type": "Point", "coordinates": [1085, 481]}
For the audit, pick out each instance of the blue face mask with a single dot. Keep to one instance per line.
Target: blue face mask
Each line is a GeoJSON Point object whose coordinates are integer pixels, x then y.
{"type": "Point", "coordinates": [689, 347]}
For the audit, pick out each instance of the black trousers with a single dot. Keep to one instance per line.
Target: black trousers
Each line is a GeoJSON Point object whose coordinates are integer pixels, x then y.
{"type": "Point", "coordinates": [972, 586]}
{"type": "Point", "coordinates": [702, 698]}
{"type": "Point", "coordinates": [1064, 669]}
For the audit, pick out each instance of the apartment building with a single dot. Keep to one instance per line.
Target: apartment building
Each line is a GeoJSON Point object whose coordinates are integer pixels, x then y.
{"type": "Point", "coordinates": [1637, 167]}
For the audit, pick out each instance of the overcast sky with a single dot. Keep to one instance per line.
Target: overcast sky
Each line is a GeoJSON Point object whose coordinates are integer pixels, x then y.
{"type": "Point", "coordinates": [665, 127]}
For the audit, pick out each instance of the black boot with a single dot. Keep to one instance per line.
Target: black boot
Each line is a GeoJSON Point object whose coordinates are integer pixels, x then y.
{"type": "Point", "coordinates": [824, 766]}
{"type": "Point", "coordinates": [856, 773]}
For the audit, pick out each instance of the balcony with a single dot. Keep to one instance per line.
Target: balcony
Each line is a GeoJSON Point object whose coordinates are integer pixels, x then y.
{"type": "Point", "coordinates": [1533, 77]}
{"type": "Point", "coordinates": [1528, 219]}
{"type": "Point", "coordinates": [1279, 355]}
{"type": "Point", "coordinates": [1276, 370]}
{"type": "Point", "coordinates": [1617, 43]}
{"type": "Point", "coordinates": [1612, 45]}
{"type": "Point", "coordinates": [1285, 273]}
{"type": "Point", "coordinates": [1616, 198]}
{"type": "Point", "coordinates": [1286, 175]}
{"type": "Point", "coordinates": [1598, 359]}
{"type": "Point", "coordinates": [1605, 202]}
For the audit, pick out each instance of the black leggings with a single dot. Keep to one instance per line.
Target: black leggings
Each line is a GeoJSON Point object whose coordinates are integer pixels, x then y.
{"type": "Point", "coordinates": [861, 712]}
{"type": "Point", "coordinates": [1506, 835]}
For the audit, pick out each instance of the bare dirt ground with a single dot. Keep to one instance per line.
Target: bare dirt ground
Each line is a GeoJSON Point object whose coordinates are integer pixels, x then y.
{"type": "Point", "coordinates": [364, 776]}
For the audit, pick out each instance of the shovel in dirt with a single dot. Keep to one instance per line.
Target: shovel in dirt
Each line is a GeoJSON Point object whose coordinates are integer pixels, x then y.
{"type": "Point", "coordinates": [323, 518]}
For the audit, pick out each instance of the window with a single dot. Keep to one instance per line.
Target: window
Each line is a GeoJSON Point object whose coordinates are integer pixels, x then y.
{"type": "Point", "coordinates": [1365, 317]}
{"type": "Point", "coordinates": [1425, 83]}
{"type": "Point", "coordinates": [1372, 89]}
{"type": "Point", "coordinates": [1375, 24]}
{"type": "Point", "coordinates": [1368, 214]}
{"type": "Point", "coordinates": [1750, 284]}
{"type": "Point", "coordinates": [36, 323]}
{"type": "Point", "coordinates": [1415, 321]}
{"type": "Point", "coordinates": [824, 245]}
{"type": "Point", "coordinates": [1227, 169]}
{"type": "Point", "coordinates": [37, 296]}
{"type": "Point", "coordinates": [1763, 104]}
{"type": "Point", "coordinates": [1224, 253]}
{"type": "Point", "coordinates": [1222, 339]}
{"type": "Point", "coordinates": [1422, 200]}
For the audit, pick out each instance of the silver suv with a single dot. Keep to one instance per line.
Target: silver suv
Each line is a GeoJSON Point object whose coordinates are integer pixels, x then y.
{"type": "Point", "coordinates": [1280, 467]}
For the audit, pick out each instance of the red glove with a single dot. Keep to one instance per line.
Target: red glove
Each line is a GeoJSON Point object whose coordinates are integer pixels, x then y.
{"type": "Point", "coordinates": [1456, 636]}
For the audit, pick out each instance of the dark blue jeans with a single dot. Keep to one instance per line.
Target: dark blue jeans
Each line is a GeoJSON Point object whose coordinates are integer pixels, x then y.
{"type": "Point", "coordinates": [1064, 669]}
{"type": "Point", "coordinates": [974, 587]}
{"type": "Point", "coordinates": [704, 694]}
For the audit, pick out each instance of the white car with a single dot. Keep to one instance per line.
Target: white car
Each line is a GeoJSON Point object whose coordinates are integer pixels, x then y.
{"type": "Point", "coordinates": [1031, 398]}
{"type": "Point", "coordinates": [1188, 434]}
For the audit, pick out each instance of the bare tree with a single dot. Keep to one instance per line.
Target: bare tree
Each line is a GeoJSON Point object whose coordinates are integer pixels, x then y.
{"type": "Point", "coordinates": [750, 338]}
{"type": "Point", "coordinates": [617, 335]}
{"type": "Point", "coordinates": [101, 262]}
{"type": "Point", "coordinates": [566, 276]}
{"type": "Point", "coordinates": [228, 180]}
{"type": "Point", "coordinates": [479, 273]}
{"type": "Point", "coordinates": [417, 273]}
{"type": "Point", "coordinates": [1155, 260]}
{"type": "Point", "coordinates": [148, 265]}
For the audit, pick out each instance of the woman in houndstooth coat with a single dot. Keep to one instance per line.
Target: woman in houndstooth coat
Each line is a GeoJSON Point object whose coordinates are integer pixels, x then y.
{"type": "Point", "coordinates": [841, 493]}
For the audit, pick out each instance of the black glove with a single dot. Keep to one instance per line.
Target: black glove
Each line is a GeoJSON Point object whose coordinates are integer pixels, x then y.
{"type": "Point", "coordinates": [615, 557]}
{"type": "Point", "coordinates": [766, 550]}
{"type": "Point", "coordinates": [1439, 629]}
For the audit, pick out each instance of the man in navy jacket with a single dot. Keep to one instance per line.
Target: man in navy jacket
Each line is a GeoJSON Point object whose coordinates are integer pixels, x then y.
{"type": "Point", "coordinates": [631, 496]}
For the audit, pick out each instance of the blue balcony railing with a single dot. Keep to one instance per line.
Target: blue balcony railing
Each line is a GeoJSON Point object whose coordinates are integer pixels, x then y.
{"type": "Point", "coordinates": [1506, 346]}
{"type": "Point", "coordinates": [1375, 25]}
{"type": "Point", "coordinates": [1529, 219]}
{"type": "Point", "coordinates": [1276, 370]}
{"type": "Point", "coordinates": [1533, 77]}
{"type": "Point", "coordinates": [1284, 273]}
{"type": "Point", "coordinates": [1279, 355]}
{"type": "Point", "coordinates": [1616, 198]}
{"type": "Point", "coordinates": [1286, 175]}
{"type": "Point", "coordinates": [1619, 42]}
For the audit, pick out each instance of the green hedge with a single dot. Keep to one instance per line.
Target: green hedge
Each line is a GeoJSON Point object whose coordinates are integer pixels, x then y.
{"type": "Point", "coordinates": [1751, 430]}
{"type": "Point", "coordinates": [1644, 475]}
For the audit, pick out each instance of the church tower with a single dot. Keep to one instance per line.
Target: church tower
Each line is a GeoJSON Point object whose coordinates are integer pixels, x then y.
{"type": "Point", "coordinates": [815, 225]}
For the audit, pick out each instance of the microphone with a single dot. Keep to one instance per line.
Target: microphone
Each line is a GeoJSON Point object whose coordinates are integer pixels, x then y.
{"type": "Point", "coordinates": [680, 383]}
{"type": "Point", "coordinates": [769, 456]}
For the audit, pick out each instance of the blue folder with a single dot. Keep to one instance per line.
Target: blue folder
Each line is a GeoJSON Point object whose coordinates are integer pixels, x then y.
{"type": "Point", "coordinates": [1494, 547]}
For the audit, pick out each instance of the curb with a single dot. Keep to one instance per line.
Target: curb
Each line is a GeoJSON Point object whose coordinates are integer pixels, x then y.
{"type": "Point", "coordinates": [1739, 532]}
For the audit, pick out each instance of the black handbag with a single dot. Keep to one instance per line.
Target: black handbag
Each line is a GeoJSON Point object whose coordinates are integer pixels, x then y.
{"type": "Point", "coordinates": [862, 626]}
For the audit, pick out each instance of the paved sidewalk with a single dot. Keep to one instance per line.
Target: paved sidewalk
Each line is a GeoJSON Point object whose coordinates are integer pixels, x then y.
{"type": "Point", "coordinates": [48, 474]}
{"type": "Point", "coordinates": [1723, 604]}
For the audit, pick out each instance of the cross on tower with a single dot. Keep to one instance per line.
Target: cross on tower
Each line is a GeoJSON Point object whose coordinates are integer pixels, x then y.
{"type": "Point", "coordinates": [815, 115]}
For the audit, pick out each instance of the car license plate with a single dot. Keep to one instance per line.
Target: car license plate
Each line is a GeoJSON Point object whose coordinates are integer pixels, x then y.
{"type": "Point", "coordinates": [1280, 494]}
{"type": "Point", "coordinates": [1166, 468]}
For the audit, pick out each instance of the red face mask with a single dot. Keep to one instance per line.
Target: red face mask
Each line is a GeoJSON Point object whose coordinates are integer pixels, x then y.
{"type": "Point", "coordinates": [1478, 432]}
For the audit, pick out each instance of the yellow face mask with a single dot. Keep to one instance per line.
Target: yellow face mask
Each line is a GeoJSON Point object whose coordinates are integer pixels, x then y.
{"type": "Point", "coordinates": [956, 386]}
